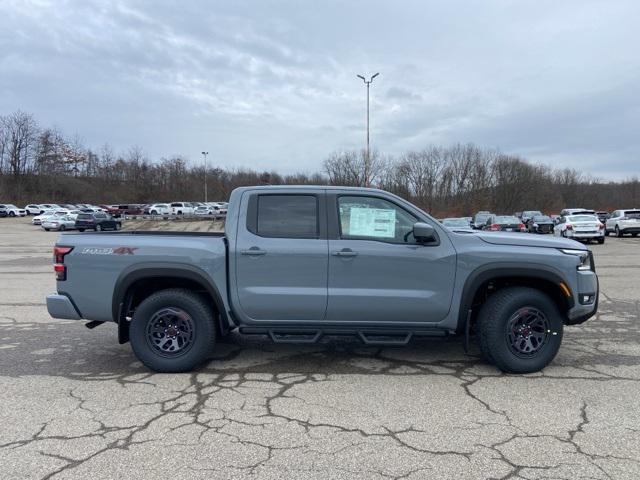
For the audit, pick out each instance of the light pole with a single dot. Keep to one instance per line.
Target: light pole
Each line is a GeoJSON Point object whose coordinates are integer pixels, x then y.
{"type": "Point", "coordinates": [204, 154]}
{"type": "Point", "coordinates": [367, 158]}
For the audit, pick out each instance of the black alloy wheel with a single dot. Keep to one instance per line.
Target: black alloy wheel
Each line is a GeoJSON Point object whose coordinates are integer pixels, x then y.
{"type": "Point", "coordinates": [527, 331]}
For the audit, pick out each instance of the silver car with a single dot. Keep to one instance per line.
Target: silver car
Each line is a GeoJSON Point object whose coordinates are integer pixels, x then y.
{"type": "Point", "coordinates": [63, 222]}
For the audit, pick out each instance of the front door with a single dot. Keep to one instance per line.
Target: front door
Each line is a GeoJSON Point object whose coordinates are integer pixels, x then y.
{"type": "Point", "coordinates": [377, 270]}
{"type": "Point", "coordinates": [281, 258]}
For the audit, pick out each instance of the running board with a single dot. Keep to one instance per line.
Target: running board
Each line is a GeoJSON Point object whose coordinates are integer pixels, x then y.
{"type": "Point", "coordinates": [313, 335]}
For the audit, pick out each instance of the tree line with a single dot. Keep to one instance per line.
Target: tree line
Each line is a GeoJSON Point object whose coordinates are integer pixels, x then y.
{"type": "Point", "coordinates": [39, 165]}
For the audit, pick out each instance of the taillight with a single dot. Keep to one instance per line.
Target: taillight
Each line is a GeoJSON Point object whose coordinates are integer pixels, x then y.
{"type": "Point", "coordinates": [58, 262]}
{"type": "Point", "coordinates": [522, 227]}
{"type": "Point", "coordinates": [495, 227]}
{"type": "Point", "coordinates": [569, 227]}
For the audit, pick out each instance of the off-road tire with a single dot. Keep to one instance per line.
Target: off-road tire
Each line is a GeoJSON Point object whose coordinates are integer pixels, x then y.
{"type": "Point", "coordinates": [492, 329]}
{"type": "Point", "coordinates": [204, 336]}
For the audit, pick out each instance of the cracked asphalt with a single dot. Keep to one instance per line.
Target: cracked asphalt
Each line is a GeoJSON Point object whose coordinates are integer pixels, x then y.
{"type": "Point", "coordinates": [76, 405]}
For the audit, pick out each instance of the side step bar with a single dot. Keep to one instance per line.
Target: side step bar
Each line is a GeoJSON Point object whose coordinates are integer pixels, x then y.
{"type": "Point", "coordinates": [313, 335]}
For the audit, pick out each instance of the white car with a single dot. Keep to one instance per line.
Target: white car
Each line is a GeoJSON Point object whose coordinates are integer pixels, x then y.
{"type": "Point", "coordinates": [219, 208]}
{"type": "Point", "coordinates": [60, 223]}
{"type": "Point", "coordinates": [13, 211]}
{"type": "Point", "coordinates": [182, 208]}
{"type": "Point", "coordinates": [38, 219]}
{"type": "Point", "coordinates": [34, 209]}
{"type": "Point", "coordinates": [160, 209]}
{"type": "Point", "coordinates": [580, 227]}
{"type": "Point", "coordinates": [623, 221]}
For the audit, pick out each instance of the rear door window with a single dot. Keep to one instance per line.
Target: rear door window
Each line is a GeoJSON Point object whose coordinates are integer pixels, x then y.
{"type": "Point", "coordinates": [287, 216]}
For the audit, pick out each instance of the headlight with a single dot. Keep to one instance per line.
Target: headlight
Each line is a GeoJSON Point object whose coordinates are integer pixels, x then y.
{"type": "Point", "coordinates": [585, 256]}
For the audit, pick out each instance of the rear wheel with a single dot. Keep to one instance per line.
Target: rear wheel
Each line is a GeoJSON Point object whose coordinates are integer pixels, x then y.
{"type": "Point", "coordinates": [520, 330]}
{"type": "Point", "coordinates": [62, 228]}
{"type": "Point", "coordinates": [81, 229]}
{"type": "Point", "coordinates": [117, 227]}
{"type": "Point", "coordinates": [172, 331]}
{"type": "Point", "coordinates": [601, 240]}
{"type": "Point", "coordinates": [98, 228]}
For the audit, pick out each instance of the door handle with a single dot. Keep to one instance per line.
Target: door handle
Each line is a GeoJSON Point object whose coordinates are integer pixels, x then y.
{"type": "Point", "coordinates": [345, 252]}
{"type": "Point", "coordinates": [253, 251]}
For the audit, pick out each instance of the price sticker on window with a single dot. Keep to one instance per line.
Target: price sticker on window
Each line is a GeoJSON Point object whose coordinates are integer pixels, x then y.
{"type": "Point", "coordinates": [372, 222]}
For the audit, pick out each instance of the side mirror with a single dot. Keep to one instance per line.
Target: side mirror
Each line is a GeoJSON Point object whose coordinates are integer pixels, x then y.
{"type": "Point", "coordinates": [423, 232]}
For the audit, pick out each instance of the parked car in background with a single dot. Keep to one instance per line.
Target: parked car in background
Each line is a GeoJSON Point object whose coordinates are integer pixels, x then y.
{"type": "Point", "coordinates": [574, 211]}
{"type": "Point", "coordinates": [603, 216]}
{"type": "Point", "coordinates": [38, 219]}
{"type": "Point", "coordinates": [203, 210]}
{"type": "Point", "coordinates": [580, 227]}
{"type": "Point", "coordinates": [182, 208]}
{"type": "Point", "coordinates": [480, 219]}
{"type": "Point", "coordinates": [34, 209]}
{"type": "Point", "coordinates": [622, 222]}
{"type": "Point", "coordinates": [97, 222]}
{"type": "Point", "coordinates": [504, 223]}
{"type": "Point", "coordinates": [529, 214]}
{"type": "Point", "coordinates": [457, 224]}
{"type": "Point", "coordinates": [159, 209]}
{"type": "Point", "coordinates": [219, 208]}
{"type": "Point", "coordinates": [540, 224]}
{"type": "Point", "coordinates": [12, 211]}
{"type": "Point", "coordinates": [61, 223]}
{"type": "Point", "coordinates": [3, 214]}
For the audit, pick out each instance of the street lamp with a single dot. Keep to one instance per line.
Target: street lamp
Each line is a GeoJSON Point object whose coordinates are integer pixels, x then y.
{"type": "Point", "coordinates": [204, 154]}
{"type": "Point", "coordinates": [368, 83]}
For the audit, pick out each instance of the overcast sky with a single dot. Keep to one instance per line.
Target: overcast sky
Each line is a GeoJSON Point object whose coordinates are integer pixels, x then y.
{"type": "Point", "coordinates": [272, 84]}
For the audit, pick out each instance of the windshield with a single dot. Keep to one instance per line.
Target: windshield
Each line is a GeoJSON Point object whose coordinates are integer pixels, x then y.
{"type": "Point", "coordinates": [582, 218]}
{"type": "Point", "coordinates": [532, 213]}
{"type": "Point", "coordinates": [542, 218]}
{"type": "Point", "coordinates": [455, 222]}
{"type": "Point", "coordinates": [482, 217]}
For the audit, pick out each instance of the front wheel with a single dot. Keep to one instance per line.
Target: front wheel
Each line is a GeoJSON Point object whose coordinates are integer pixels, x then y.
{"type": "Point", "coordinates": [601, 240]}
{"type": "Point", "coordinates": [98, 228]}
{"type": "Point", "coordinates": [12, 214]}
{"type": "Point", "coordinates": [117, 227]}
{"type": "Point", "coordinates": [520, 330]}
{"type": "Point", "coordinates": [81, 229]}
{"type": "Point", "coordinates": [619, 232]}
{"type": "Point", "coordinates": [62, 228]}
{"type": "Point", "coordinates": [172, 331]}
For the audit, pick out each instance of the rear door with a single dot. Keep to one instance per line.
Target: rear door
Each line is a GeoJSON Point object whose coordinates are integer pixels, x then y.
{"type": "Point", "coordinates": [377, 270]}
{"type": "Point", "coordinates": [281, 257]}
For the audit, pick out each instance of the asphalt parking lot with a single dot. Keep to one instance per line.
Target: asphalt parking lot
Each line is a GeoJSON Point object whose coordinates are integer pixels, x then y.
{"type": "Point", "coordinates": [75, 404]}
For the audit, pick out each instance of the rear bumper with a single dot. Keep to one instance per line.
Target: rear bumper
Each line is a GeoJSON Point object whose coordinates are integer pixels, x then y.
{"type": "Point", "coordinates": [60, 306]}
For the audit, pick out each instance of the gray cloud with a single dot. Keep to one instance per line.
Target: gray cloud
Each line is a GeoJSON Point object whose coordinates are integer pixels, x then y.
{"type": "Point", "coordinates": [272, 84]}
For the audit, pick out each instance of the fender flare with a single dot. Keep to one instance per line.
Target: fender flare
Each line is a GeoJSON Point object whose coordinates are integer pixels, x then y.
{"type": "Point", "coordinates": [502, 270]}
{"type": "Point", "coordinates": [160, 270]}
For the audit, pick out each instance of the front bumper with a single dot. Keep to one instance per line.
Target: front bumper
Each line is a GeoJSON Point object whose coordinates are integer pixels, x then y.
{"type": "Point", "coordinates": [60, 306]}
{"type": "Point", "coordinates": [588, 284]}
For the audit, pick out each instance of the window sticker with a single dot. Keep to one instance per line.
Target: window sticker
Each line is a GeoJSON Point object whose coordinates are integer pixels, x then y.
{"type": "Point", "coordinates": [372, 222]}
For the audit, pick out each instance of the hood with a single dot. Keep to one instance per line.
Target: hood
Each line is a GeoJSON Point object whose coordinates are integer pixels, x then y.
{"type": "Point", "coordinates": [528, 240]}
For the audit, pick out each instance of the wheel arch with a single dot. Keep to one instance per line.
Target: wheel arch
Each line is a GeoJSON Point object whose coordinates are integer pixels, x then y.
{"type": "Point", "coordinates": [135, 284]}
{"type": "Point", "coordinates": [486, 280]}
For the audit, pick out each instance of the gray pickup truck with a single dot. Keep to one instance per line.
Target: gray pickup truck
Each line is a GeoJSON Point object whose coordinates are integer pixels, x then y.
{"type": "Point", "coordinates": [299, 263]}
